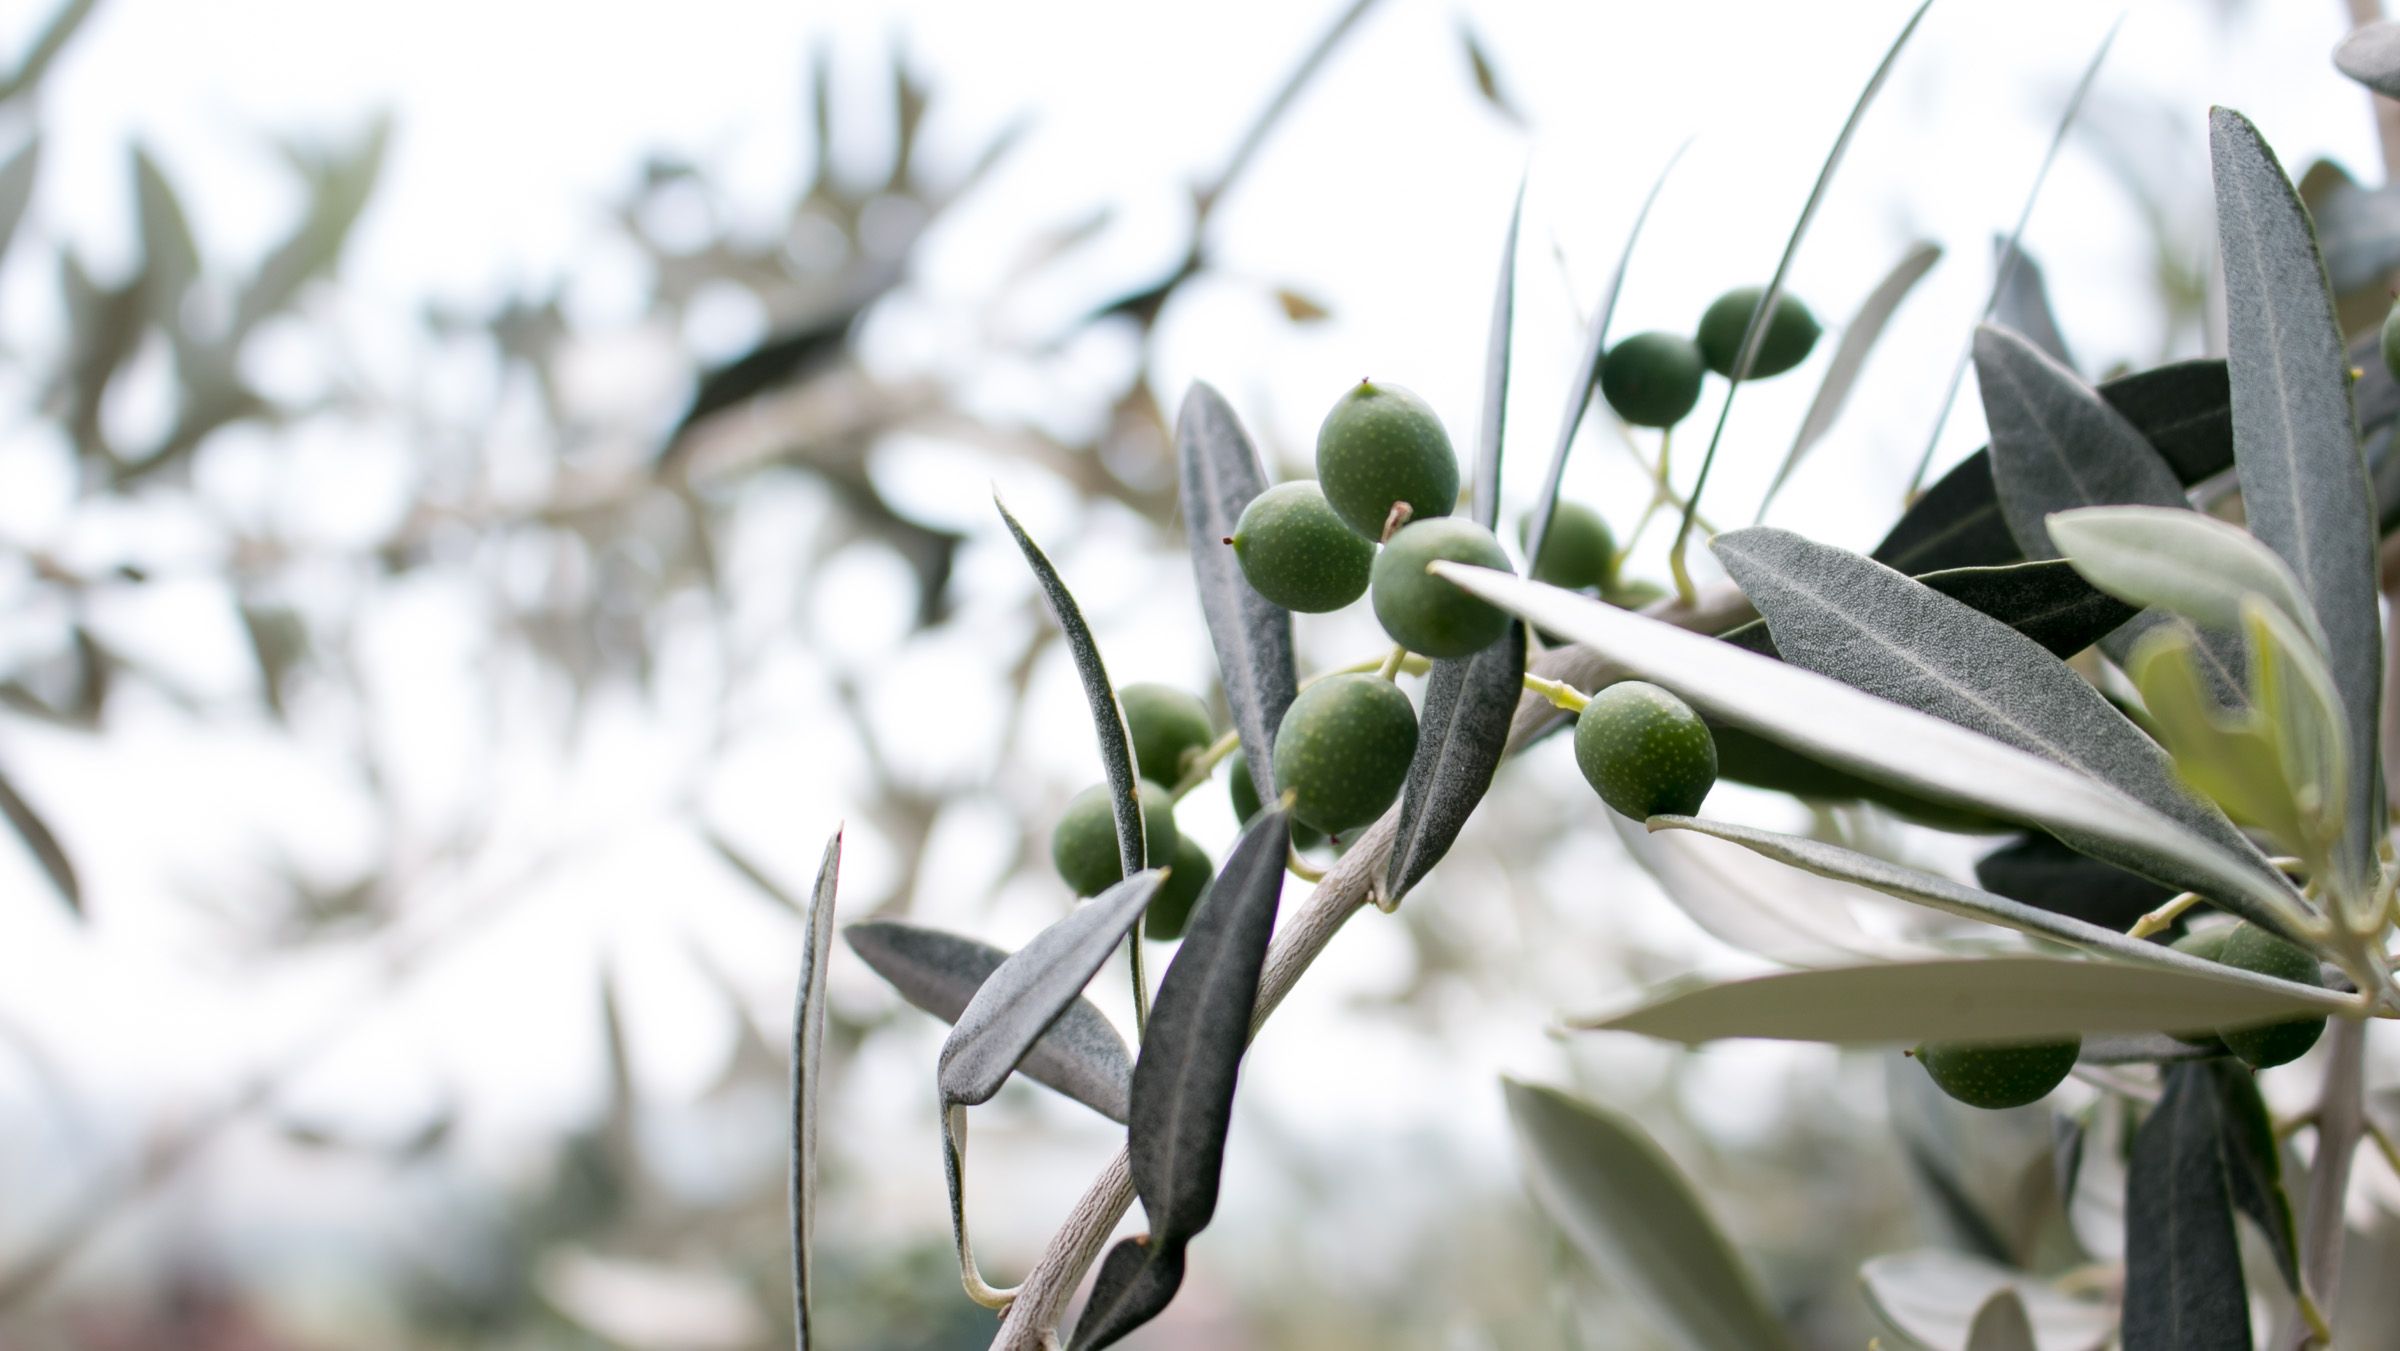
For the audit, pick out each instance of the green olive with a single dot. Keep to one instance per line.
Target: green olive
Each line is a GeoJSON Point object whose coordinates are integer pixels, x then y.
{"type": "Point", "coordinates": [1578, 552]}
{"type": "Point", "coordinates": [1791, 332]}
{"type": "Point", "coordinates": [1382, 445]}
{"type": "Point", "coordinates": [1634, 594]}
{"type": "Point", "coordinates": [1084, 845]}
{"type": "Point", "coordinates": [1994, 1077]}
{"type": "Point", "coordinates": [1169, 728]}
{"type": "Point", "coordinates": [1170, 911]}
{"type": "Point", "coordinates": [1433, 615]}
{"type": "Point", "coordinates": [1343, 750]}
{"type": "Point", "coordinates": [2250, 948]}
{"type": "Point", "coordinates": [2209, 946]}
{"type": "Point", "coordinates": [1645, 751]}
{"type": "Point", "coordinates": [1298, 552]}
{"type": "Point", "coordinates": [2391, 341]}
{"type": "Point", "coordinates": [1245, 803]}
{"type": "Point", "coordinates": [1653, 379]}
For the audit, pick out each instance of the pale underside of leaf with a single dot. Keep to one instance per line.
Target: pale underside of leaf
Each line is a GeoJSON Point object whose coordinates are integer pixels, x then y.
{"type": "Point", "coordinates": [808, 1059]}
{"type": "Point", "coordinates": [1493, 425]}
{"type": "Point", "coordinates": [1934, 1296]}
{"type": "Point", "coordinates": [1859, 337]}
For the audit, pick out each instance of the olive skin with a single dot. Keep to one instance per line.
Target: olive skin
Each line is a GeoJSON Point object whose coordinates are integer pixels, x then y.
{"type": "Point", "coordinates": [1579, 551]}
{"type": "Point", "coordinates": [1381, 445]}
{"type": "Point", "coordinates": [2391, 342]}
{"type": "Point", "coordinates": [2251, 948]}
{"type": "Point", "coordinates": [1791, 332]}
{"type": "Point", "coordinates": [1995, 1077]}
{"type": "Point", "coordinates": [1344, 749]}
{"type": "Point", "coordinates": [1246, 804]}
{"type": "Point", "coordinates": [1433, 615]}
{"type": "Point", "coordinates": [1653, 379]}
{"type": "Point", "coordinates": [1644, 751]}
{"type": "Point", "coordinates": [1296, 550]}
{"type": "Point", "coordinates": [1633, 595]}
{"type": "Point", "coordinates": [2209, 946]}
{"type": "Point", "coordinates": [1187, 882]}
{"type": "Point", "coordinates": [1168, 728]}
{"type": "Point", "coordinates": [1084, 844]}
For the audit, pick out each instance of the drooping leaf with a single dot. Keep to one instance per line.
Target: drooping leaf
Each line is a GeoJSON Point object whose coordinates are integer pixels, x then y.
{"type": "Point", "coordinates": [1932, 1297]}
{"type": "Point", "coordinates": [808, 1061]}
{"type": "Point", "coordinates": [1019, 1001]}
{"type": "Point", "coordinates": [1859, 622]}
{"type": "Point", "coordinates": [42, 844]}
{"type": "Point", "coordinates": [2304, 483]}
{"type": "Point", "coordinates": [2002, 1325]}
{"type": "Point", "coordinates": [1484, 500]}
{"type": "Point", "coordinates": [2183, 1271]}
{"type": "Point", "coordinates": [2023, 305]}
{"type": "Point", "coordinates": [1137, 1281]}
{"type": "Point", "coordinates": [2371, 56]}
{"type": "Point", "coordinates": [2254, 1163]}
{"type": "Point", "coordinates": [1626, 1207]}
{"type": "Point", "coordinates": [1080, 1056]}
{"type": "Point", "coordinates": [16, 189]}
{"type": "Point", "coordinates": [2047, 875]}
{"type": "Point", "coordinates": [1994, 999]}
{"type": "Point", "coordinates": [1108, 720]}
{"type": "Point", "coordinates": [1850, 358]}
{"type": "Point", "coordinates": [1865, 735]}
{"type": "Point", "coordinates": [1587, 366]}
{"type": "Point", "coordinates": [1755, 334]}
{"type": "Point", "coordinates": [1462, 733]}
{"type": "Point", "coordinates": [1252, 635]}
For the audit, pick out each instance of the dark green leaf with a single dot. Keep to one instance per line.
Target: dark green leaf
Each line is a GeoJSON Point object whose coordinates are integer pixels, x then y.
{"type": "Point", "coordinates": [1137, 1280]}
{"type": "Point", "coordinates": [1108, 720]}
{"type": "Point", "coordinates": [2371, 56]}
{"type": "Point", "coordinates": [1462, 733]}
{"type": "Point", "coordinates": [1874, 630]}
{"type": "Point", "coordinates": [1850, 358]}
{"type": "Point", "coordinates": [808, 1061]}
{"type": "Point", "coordinates": [1020, 1000]}
{"type": "Point", "coordinates": [1252, 635]}
{"type": "Point", "coordinates": [2254, 1163]}
{"type": "Point", "coordinates": [2023, 303]}
{"type": "Point", "coordinates": [2183, 1272]}
{"type": "Point", "coordinates": [1624, 1205]}
{"type": "Point", "coordinates": [1484, 498]}
{"type": "Point", "coordinates": [1081, 1055]}
{"type": "Point", "coordinates": [42, 844]}
{"type": "Point", "coordinates": [2304, 483]}
{"type": "Point", "coordinates": [2359, 231]}
{"type": "Point", "coordinates": [2045, 874]}
{"type": "Point", "coordinates": [16, 189]}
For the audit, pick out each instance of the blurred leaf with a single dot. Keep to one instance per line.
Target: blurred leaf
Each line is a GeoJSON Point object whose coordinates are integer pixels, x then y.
{"type": "Point", "coordinates": [1624, 1205]}
{"type": "Point", "coordinates": [2183, 1271]}
{"type": "Point", "coordinates": [2043, 873]}
{"type": "Point", "coordinates": [104, 324]}
{"type": "Point", "coordinates": [2359, 231]}
{"type": "Point", "coordinates": [808, 1065]}
{"type": "Point", "coordinates": [278, 640]}
{"type": "Point", "coordinates": [1749, 903]}
{"type": "Point", "coordinates": [1942, 1141]}
{"type": "Point", "coordinates": [2178, 560]}
{"type": "Point", "coordinates": [1081, 1054]}
{"type": "Point", "coordinates": [1933, 1298]}
{"type": "Point", "coordinates": [53, 39]}
{"type": "Point", "coordinates": [42, 844]}
{"type": "Point", "coordinates": [2229, 756]}
{"type": "Point", "coordinates": [2048, 602]}
{"type": "Point", "coordinates": [1251, 634]}
{"type": "Point", "coordinates": [170, 260]}
{"type": "Point", "coordinates": [2304, 484]}
{"type": "Point", "coordinates": [2371, 56]}
{"type": "Point", "coordinates": [2002, 1325]}
{"type": "Point", "coordinates": [2297, 700]}
{"type": "Point", "coordinates": [1463, 724]}
{"type": "Point", "coordinates": [338, 183]}
{"type": "Point", "coordinates": [1982, 999]}
{"type": "Point", "coordinates": [2023, 303]}
{"type": "Point", "coordinates": [1850, 358]}
{"type": "Point", "coordinates": [16, 189]}
{"type": "Point", "coordinates": [1299, 307]}
{"type": "Point", "coordinates": [1490, 430]}
{"type": "Point", "coordinates": [2254, 1163]}
{"type": "Point", "coordinates": [1487, 79]}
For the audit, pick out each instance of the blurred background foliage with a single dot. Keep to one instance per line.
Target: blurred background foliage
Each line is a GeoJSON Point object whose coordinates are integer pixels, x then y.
{"type": "Point", "coordinates": [468, 616]}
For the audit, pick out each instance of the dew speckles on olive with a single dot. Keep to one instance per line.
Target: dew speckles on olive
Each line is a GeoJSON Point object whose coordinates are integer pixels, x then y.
{"type": "Point", "coordinates": [1083, 846]}
{"type": "Point", "coordinates": [1646, 752]}
{"type": "Point", "coordinates": [1380, 445]}
{"type": "Point", "coordinates": [1998, 1077]}
{"type": "Point", "coordinates": [1296, 550]}
{"type": "Point", "coordinates": [1433, 615]}
{"type": "Point", "coordinates": [1344, 750]}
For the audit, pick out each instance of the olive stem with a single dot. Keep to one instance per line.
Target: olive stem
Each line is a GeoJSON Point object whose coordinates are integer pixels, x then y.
{"type": "Point", "coordinates": [1141, 984]}
{"type": "Point", "coordinates": [1401, 511]}
{"type": "Point", "coordinates": [1557, 692]}
{"type": "Point", "coordinates": [1299, 867]}
{"type": "Point", "coordinates": [1390, 670]}
{"type": "Point", "coordinates": [2165, 915]}
{"type": "Point", "coordinates": [1205, 764]}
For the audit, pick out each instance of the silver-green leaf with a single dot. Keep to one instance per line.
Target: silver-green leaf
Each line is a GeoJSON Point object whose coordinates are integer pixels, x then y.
{"type": "Point", "coordinates": [1252, 635]}
{"type": "Point", "coordinates": [2371, 56]}
{"type": "Point", "coordinates": [1485, 497]}
{"type": "Point", "coordinates": [1463, 731]}
{"type": "Point", "coordinates": [808, 1059]}
{"type": "Point", "coordinates": [2183, 1269]}
{"type": "Point", "coordinates": [1859, 337]}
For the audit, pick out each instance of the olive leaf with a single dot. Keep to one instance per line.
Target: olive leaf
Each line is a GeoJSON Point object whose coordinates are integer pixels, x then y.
{"type": "Point", "coordinates": [47, 44]}
{"type": "Point", "coordinates": [2043, 873]}
{"type": "Point", "coordinates": [1994, 999]}
{"type": "Point", "coordinates": [339, 184]}
{"type": "Point", "coordinates": [2023, 305]}
{"type": "Point", "coordinates": [1462, 733]}
{"type": "Point", "coordinates": [16, 188]}
{"type": "Point", "coordinates": [1626, 1207]}
{"type": "Point", "coordinates": [1080, 1055]}
{"type": "Point", "coordinates": [2049, 602]}
{"type": "Point", "coordinates": [1108, 720]}
{"type": "Point", "coordinates": [2304, 483]}
{"type": "Point", "coordinates": [2371, 56]}
{"type": "Point", "coordinates": [808, 1060]}
{"type": "Point", "coordinates": [1251, 634]}
{"type": "Point", "coordinates": [43, 844]}
{"type": "Point", "coordinates": [2001, 1325]}
{"type": "Point", "coordinates": [1861, 734]}
{"type": "Point", "coordinates": [2358, 229]}
{"type": "Point", "coordinates": [2183, 1270]}
{"type": "Point", "coordinates": [1587, 367]}
{"type": "Point", "coordinates": [170, 259]}
{"type": "Point", "coordinates": [1484, 496]}
{"type": "Point", "coordinates": [1746, 902]}
{"type": "Point", "coordinates": [1933, 1297]}
{"type": "Point", "coordinates": [1755, 334]}
{"type": "Point", "coordinates": [1859, 622]}
{"type": "Point", "coordinates": [2254, 1163]}
{"type": "Point", "coordinates": [1859, 337]}
{"type": "Point", "coordinates": [1136, 1282]}
{"type": "Point", "coordinates": [2181, 561]}
{"type": "Point", "coordinates": [1932, 1132]}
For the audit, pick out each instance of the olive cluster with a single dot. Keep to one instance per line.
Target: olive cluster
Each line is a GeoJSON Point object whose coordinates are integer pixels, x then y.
{"type": "Point", "coordinates": [1653, 379]}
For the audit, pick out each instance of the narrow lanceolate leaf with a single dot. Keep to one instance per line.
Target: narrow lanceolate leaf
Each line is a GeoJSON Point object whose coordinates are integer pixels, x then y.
{"type": "Point", "coordinates": [1587, 367]}
{"type": "Point", "coordinates": [1108, 720]}
{"type": "Point", "coordinates": [2023, 305]}
{"type": "Point", "coordinates": [1997, 999]}
{"type": "Point", "coordinates": [2183, 1270]}
{"type": "Point", "coordinates": [1870, 628]}
{"type": "Point", "coordinates": [1850, 358]}
{"type": "Point", "coordinates": [1494, 423]}
{"type": "Point", "coordinates": [2254, 1163]}
{"type": "Point", "coordinates": [1080, 1056]}
{"type": "Point", "coordinates": [1624, 1205]}
{"type": "Point", "coordinates": [1252, 635]}
{"type": "Point", "coordinates": [2057, 445]}
{"type": "Point", "coordinates": [16, 189]}
{"type": "Point", "coordinates": [2049, 602]}
{"type": "Point", "coordinates": [1463, 729]}
{"type": "Point", "coordinates": [2304, 482]}
{"type": "Point", "coordinates": [1029, 991]}
{"type": "Point", "coordinates": [1756, 333]}
{"type": "Point", "coordinates": [808, 1060]}
{"type": "Point", "coordinates": [42, 844]}
{"type": "Point", "coordinates": [1867, 736]}
{"type": "Point", "coordinates": [1137, 1281]}
{"type": "Point", "coordinates": [2371, 56]}
{"type": "Point", "coordinates": [1750, 903]}
{"type": "Point", "coordinates": [2002, 1325]}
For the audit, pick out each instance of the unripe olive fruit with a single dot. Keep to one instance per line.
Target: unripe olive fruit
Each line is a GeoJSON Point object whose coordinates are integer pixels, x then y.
{"type": "Point", "coordinates": [2391, 341]}
{"type": "Point", "coordinates": [1578, 552]}
{"type": "Point", "coordinates": [1168, 727]}
{"type": "Point", "coordinates": [1298, 552]}
{"type": "Point", "coordinates": [2209, 946]}
{"type": "Point", "coordinates": [1994, 1077]}
{"type": "Point", "coordinates": [1791, 332]}
{"type": "Point", "coordinates": [1343, 750]}
{"type": "Point", "coordinates": [1084, 846]}
{"type": "Point", "coordinates": [1381, 445]}
{"type": "Point", "coordinates": [1433, 615]}
{"type": "Point", "coordinates": [1633, 595]}
{"type": "Point", "coordinates": [1171, 909]}
{"type": "Point", "coordinates": [1653, 379]}
{"type": "Point", "coordinates": [1245, 803]}
{"type": "Point", "coordinates": [1645, 751]}
{"type": "Point", "coordinates": [2250, 948]}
